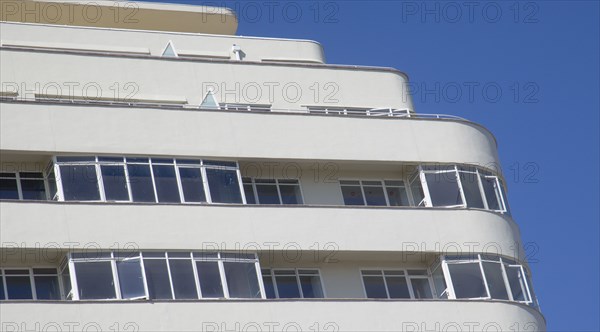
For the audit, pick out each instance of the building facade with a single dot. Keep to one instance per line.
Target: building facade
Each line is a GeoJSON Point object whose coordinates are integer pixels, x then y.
{"type": "Point", "coordinates": [160, 173]}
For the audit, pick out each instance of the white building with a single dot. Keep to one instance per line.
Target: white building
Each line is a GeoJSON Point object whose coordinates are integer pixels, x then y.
{"type": "Point", "coordinates": [160, 173]}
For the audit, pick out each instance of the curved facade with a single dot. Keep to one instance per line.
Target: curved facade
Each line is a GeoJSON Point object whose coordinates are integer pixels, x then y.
{"type": "Point", "coordinates": [161, 178]}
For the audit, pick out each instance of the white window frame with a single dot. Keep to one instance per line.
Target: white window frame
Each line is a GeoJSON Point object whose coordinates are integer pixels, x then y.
{"type": "Point", "coordinates": [297, 275]}
{"type": "Point", "coordinates": [405, 275]}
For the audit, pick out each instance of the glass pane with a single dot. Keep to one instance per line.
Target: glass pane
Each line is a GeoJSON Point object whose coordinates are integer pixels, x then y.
{"type": "Point", "coordinates": [443, 189]}
{"type": "Point", "coordinates": [352, 195]}
{"type": "Point", "coordinates": [287, 287]}
{"type": "Point", "coordinates": [33, 190]}
{"type": "Point", "coordinates": [249, 192]}
{"type": "Point", "coordinates": [397, 196]}
{"type": "Point", "coordinates": [470, 185]}
{"type": "Point", "coordinates": [18, 288]}
{"type": "Point", "coordinates": [375, 287]}
{"type": "Point", "coordinates": [166, 184]}
{"type": "Point", "coordinates": [191, 183]}
{"type": "Point", "coordinates": [416, 189]}
{"type": "Point", "coordinates": [242, 281]}
{"type": "Point", "coordinates": [495, 280]}
{"type": "Point", "coordinates": [517, 283]}
{"type": "Point", "coordinates": [95, 280]}
{"type": "Point", "coordinates": [374, 195]}
{"type": "Point", "coordinates": [140, 181]}
{"type": "Point", "coordinates": [490, 188]}
{"type": "Point", "coordinates": [131, 280]}
{"type": "Point", "coordinates": [267, 194]}
{"type": "Point", "coordinates": [8, 189]}
{"type": "Point", "coordinates": [79, 183]}
{"type": "Point", "coordinates": [224, 186]}
{"type": "Point", "coordinates": [46, 287]}
{"type": "Point", "coordinates": [397, 287]}
{"type": "Point", "coordinates": [467, 280]}
{"type": "Point", "coordinates": [157, 276]}
{"type": "Point", "coordinates": [269, 286]}
{"type": "Point", "coordinates": [311, 287]}
{"type": "Point", "coordinates": [291, 194]}
{"type": "Point", "coordinates": [115, 183]}
{"type": "Point", "coordinates": [210, 279]}
{"type": "Point", "coordinates": [421, 288]}
{"type": "Point", "coordinates": [184, 282]}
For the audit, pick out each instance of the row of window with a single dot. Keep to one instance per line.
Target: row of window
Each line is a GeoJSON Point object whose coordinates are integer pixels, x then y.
{"type": "Point", "coordinates": [202, 275]}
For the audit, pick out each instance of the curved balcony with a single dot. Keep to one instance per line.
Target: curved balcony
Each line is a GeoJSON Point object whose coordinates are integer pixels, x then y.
{"type": "Point", "coordinates": [275, 315]}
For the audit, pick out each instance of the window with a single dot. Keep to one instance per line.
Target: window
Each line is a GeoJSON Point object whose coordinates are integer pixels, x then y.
{"type": "Point", "coordinates": [396, 284]}
{"type": "Point", "coordinates": [29, 284]}
{"type": "Point", "coordinates": [487, 277]}
{"type": "Point", "coordinates": [23, 185]}
{"type": "Point", "coordinates": [292, 283]}
{"type": "Point", "coordinates": [272, 191]}
{"type": "Point", "coordinates": [374, 193]}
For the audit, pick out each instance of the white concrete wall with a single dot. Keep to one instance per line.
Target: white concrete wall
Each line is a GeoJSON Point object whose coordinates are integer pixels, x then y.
{"type": "Point", "coordinates": [273, 315]}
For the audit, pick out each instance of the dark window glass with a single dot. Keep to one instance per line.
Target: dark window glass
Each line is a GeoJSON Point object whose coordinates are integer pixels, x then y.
{"type": "Point", "coordinates": [115, 183]}
{"type": "Point", "coordinates": [495, 280]}
{"type": "Point", "coordinates": [470, 185]}
{"type": "Point", "coordinates": [290, 194]}
{"type": "Point", "coordinates": [249, 192]}
{"type": "Point", "coordinates": [191, 183]}
{"type": "Point", "coordinates": [267, 194]}
{"type": "Point", "coordinates": [242, 281]}
{"type": "Point", "coordinates": [352, 195]}
{"type": "Point", "coordinates": [33, 190]}
{"type": "Point", "coordinates": [166, 184]}
{"type": "Point", "coordinates": [374, 195]}
{"type": "Point", "coordinates": [157, 276]}
{"type": "Point", "coordinates": [224, 186]}
{"type": "Point", "coordinates": [46, 287]}
{"type": "Point", "coordinates": [141, 183]}
{"type": "Point", "coordinates": [18, 288]}
{"type": "Point", "coordinates": [287, 286]}
{"type": "Point", "coordinates": [268, 283]}
{"type": "Point", "coordinates": [79, 183]}
{"type": "Point", "coordinates": [375, 287]}
{"type": "Point", "coordinates": [184, 282]}
{"type": "Point", "coordinates": [131, 279]}
{"type": "Point", "coordinates": [397, 287]}
{"type": "Point", "coordinates": [467, 280]}
{"type": "Point", "coordinates": [95, 280]}
{"type": "Point", "coordinates": [443, 189]}
{"type": "Point", "coordinates": [311, 286]}
{"type": "Point", "coordinates": [8, 189]}
{"type": "Point", "coordinates": [210, 279]}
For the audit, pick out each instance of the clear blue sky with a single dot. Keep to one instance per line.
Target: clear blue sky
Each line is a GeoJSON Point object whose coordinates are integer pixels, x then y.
{"type": "Point", "coordinates": [544, 59]}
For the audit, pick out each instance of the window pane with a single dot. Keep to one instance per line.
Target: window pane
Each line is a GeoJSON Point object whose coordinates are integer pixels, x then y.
{"type": "Point", "coordinates": [249, 192]}
{"type": "Point", "coordinates": [397, 196]}
{"type": "Point", "coordinates": [291, 194]}
{"type": "Point", "coordinates": [311, 287]}
{"type": "Point", "coordinates": [140, 181]}
{"type": "Point", "coordinates": [443, 189]}
{"type": "Point", "coordinates": [184, 282]}
{"type": "Point", "coordinates": [224, 186]}
{"type": "Point", "coordinates": [242, 281]}
{"type": "Point", "coordinates": [33, 190]}
{"type": "Point", "coordinates": [490, 188]}
{"type": "Point", "coordinates": [267, 194]}
{"type": "Point", "coordinates": [287, 287]}
{"type": "Point", "coordinates": [95, 280]}
{"type": "Point", "coordinates": [397, 287]}
{"type": "Point", "coordinates": [131, 280]}
{"type": "Point", "coordinates": [166, 184]}
{"type": "Point", "coordinates": [46, 287]}
{"type": "Point", "coordinates": [374, 195]}
{"type": "Point", "coordinates": [8, 189]}
{"type": "Point", "coordinates": [115, 183]}
{"type": "Point", "coordinates": [79, 183]}
{"type": "Point", "coordinates": [470, 185]}
{"type": "Point", "coordinates": [269, 286]}
{"type": "Point", "coordinates": [210, 279]}
{"type": "Point", "coordinates": [191, 183]}
{"type": "Point", "coordinates": [352, 195]}
{"type": "Point", "coordinates": [517, 283]}
{"type": "Point", "coordinates": [467, 280]}
{"type": "Point", "coordinates": [157, 276]}
{"type": "Point", "coordinates": [421, 288]}
{"type": "Point", "coordinates": [18, 288]}
{"type": "Point", "coordinates": [375, 287]}
{"type": "Point", "coordinates": [495, 280]}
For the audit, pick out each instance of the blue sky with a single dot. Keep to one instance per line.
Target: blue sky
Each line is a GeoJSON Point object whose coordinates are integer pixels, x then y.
{"type": "Point", "coordinates": [543, 59]}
